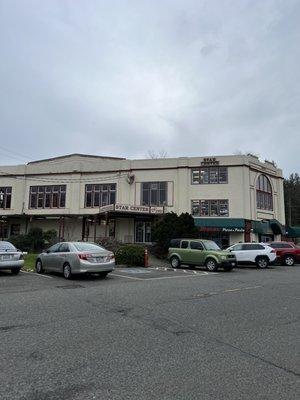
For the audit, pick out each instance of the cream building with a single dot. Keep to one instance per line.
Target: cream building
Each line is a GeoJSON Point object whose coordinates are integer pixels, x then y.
{"type": "Point", "coordinates": [83, 197]}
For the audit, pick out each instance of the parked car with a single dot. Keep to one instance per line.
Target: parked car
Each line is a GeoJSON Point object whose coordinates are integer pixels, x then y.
{"type": "Point", "coordinates": [200, 252]}
{"type": "Point", "coordinates": [253, 253]}
{"type": "Point", "coordinates": [72, 258]}
{"type": "Point", "coordinates": [10, 258]}
{"type": "Point", "coordinates": [287, 253]}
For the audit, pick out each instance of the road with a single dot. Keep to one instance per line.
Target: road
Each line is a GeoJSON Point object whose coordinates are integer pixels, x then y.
{"type": "Point", "coordinates": [151, 334]}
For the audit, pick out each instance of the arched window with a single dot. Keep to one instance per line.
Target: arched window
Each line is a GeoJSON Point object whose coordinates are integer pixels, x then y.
{"type": "Point", "coordinates": [264, 197]}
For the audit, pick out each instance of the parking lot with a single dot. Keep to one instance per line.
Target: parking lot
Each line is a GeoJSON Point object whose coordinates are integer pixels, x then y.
{"type": "Point", "coordinates": [151, 333]}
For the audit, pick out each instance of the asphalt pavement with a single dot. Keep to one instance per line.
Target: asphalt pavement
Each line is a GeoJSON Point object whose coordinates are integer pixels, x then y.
{"type": "Point", "coordinates": [151, 334]}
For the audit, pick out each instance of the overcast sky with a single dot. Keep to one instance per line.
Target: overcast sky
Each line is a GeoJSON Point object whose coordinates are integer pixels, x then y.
{"type": "Point", "coordinates": [190, 77]}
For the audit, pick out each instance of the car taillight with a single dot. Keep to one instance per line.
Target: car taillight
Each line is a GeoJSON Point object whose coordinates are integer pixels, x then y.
{"type": "Point", "coordinates": [21, 257]}
{"type": "Point", "coordinates": [83, 256]}
{"type": "Point", "coordinates": [111, 257]}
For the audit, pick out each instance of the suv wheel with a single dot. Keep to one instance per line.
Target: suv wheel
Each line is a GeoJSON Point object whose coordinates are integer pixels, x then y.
{"type": "Point", "coordinates": [67, 271]}
{"type": "Point", "coordinates": [211, 265]}
{"type": "Point", "coordinates": [175, 262]}
{"type": "Point", "coordinates": [289, 261]}
{"type": "Point", "coordinates": [39, 267]}
{"type": "Point", "coordinates": [262, 262]}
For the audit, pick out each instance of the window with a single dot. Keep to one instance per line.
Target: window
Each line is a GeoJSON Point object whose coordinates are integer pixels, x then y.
{"type": "Point", "coordinates": [47, 196]}
{"type": "Point", "coordinates": [237, 247]}
{"type": "Point", "coordinates": [100, 195]}
{"type": "Point", "coordinates": [213, 175]}
{"type": "Point", "coordinates": [281, 245]}
{"type": "Point", "coordinates": [54, 248]}
{"type": "Point", "coordinates": [196, 246]}
{"type": "Point", "coordinates": [154, 193]}
{"type": "Point", "coordinates": [253, 246]}
{"type": "Point", "coordinates": [184, 244]}
{"type": "Point", "coordinates": [64, 248]}
{"type": "Point", "coordinates": [264, 197]}
{"type": "Point", "coordinates": [175, 243]}
{"type": "Point", "coordinates": [83, 246]}
{"type": "Point", "coordinates": [210, 208]}
{"type": "Point", "coordinates": [5, 197]}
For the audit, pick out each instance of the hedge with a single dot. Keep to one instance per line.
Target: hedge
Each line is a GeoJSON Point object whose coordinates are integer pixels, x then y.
{"type": "Point", "coordinates": [131, 255]}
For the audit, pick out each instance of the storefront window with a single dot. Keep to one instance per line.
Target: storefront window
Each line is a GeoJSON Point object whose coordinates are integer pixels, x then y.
{"type": "Point", "coordinates": [210, 208]}
{"type": "Point", "coordinates": [100, 195]}
{"type": "Point", "coordinates": [209, 175]}
{"type": "Point", "coordinates": [154, 193]}
{"type": "Point", "coordinates": [47, 196]}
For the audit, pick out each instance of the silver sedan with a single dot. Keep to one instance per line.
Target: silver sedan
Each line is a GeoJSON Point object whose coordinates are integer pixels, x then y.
{"type": "Point", "coordinates": [72, 258]}
{"type": "Point", "coordinates": [10, 258]}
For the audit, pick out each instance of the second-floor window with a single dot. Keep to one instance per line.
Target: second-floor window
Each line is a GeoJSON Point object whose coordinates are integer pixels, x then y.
{"type": "Point", "coordinates": [47, 196]}
{"type": "Point", "coordinates": [210, 208]}
{"type": "Point", "coordinates": [206, 175]}
{"type": "Point", "coordinates": [154, 193]}
{"type": "Point", "coordinates": [100, 195]}
{"type": "Point", "coordinates": [5, 197]}
{"type": "Point", "coordinates": [264, 196]}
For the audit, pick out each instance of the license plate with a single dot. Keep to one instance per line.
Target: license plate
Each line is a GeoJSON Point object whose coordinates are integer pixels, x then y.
{"type": "Point", "coordinates": [100, 259]}
{"type": "Point", "coordinates": [6, 257]}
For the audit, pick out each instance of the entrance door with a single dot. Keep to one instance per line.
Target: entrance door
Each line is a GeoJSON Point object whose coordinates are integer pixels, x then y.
{"type": "Point", "coordinates": [142, 231]}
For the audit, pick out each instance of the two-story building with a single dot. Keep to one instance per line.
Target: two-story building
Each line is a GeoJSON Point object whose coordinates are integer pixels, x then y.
{"type": "Point", "coordinates": [83, 197]}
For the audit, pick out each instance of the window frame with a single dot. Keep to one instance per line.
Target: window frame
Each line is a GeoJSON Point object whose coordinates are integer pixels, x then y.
{"type": "Point", "coordinates": [264, 193]}
{"type": "Point", "coordinates": [56, 194]}
{"type": "Point", "coordinates": [99, 191]}
{"type": "Point", "coordinates": [207, 175]}
{"type": "Point", "coordinates": [7, 197]}
{"type": "Point", "coordinates": [151, 193]}
{"type": "Point", "coordinates": [208, 203]}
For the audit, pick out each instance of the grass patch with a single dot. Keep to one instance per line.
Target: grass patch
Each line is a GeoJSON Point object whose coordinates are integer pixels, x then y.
{"type": "Point", "coordinates": [29, 264]}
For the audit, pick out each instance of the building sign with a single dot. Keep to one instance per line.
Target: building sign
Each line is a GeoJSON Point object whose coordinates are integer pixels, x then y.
{"type": "Point", "coordinates": [210, 161]}
{"type": "Point", "coordinates": [127, 208]}
{"type": "Point", "coordinates": [238, 230]}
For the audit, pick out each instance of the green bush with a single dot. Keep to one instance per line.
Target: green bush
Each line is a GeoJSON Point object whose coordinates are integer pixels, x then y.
{"type": "Point", "coordinates": [35, 240]}
{"type": "Point", "coordinates": [131, 255]}
{"type": "Point", "coordinates": [171, 226]}
{"type": "Point", "coordinates": [110, 244]}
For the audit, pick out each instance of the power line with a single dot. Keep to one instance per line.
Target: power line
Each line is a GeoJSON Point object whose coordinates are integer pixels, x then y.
{"type": "Point", "coordinates": [20, 156]}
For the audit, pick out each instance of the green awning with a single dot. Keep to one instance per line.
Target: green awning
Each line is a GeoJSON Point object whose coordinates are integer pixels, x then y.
{"type": "Point", "coordinates": [229, 223]}
{"type": "Point", "coordinates": [267, 226]}
{"type": "Point", "coordinates": [293, 231]}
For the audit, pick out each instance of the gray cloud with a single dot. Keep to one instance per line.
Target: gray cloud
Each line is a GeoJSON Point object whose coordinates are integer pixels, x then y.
{"type": "Point", "coordinates": [122, 77]}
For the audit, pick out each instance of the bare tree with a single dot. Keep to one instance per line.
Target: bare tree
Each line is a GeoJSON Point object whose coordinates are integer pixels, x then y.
{"type": "Point", "coordinates": [157, 154]}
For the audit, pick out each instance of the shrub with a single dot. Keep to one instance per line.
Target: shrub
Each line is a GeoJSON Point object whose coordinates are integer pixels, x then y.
{"type": "Point", "coordinates": [110, 244]}
{"type": "Point", "coordinates": [35, 240]}
{"type": "Point", "coordinates": [171, 226]}
{"type": "Point", "coordinates": [131, 255]}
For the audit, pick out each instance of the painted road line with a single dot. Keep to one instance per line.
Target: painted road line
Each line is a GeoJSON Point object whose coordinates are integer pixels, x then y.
{"type": "Point", "coordinates": [128, 277]}
{"type": "Point", "coordinates": [39, 275]}
{"type": "Point", "coordinates": [173, 277]}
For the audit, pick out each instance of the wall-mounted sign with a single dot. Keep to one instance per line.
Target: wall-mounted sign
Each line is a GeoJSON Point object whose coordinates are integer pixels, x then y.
{"type": "Point", "coordinates": [128, 208]}
{"type": "Point", "coordinates": [238, 230]}
{"type": "Point", "coordinates": [210, 161]}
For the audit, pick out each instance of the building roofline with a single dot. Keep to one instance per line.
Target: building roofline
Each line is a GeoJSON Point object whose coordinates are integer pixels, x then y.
{"type": "Point", "coordinates": [76, 154]}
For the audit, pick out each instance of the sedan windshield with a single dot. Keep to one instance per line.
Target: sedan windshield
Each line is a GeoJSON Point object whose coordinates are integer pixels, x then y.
{"type": "Point", "coordinates": [6, 246]}
{"type": "Point", "coordinates": [88, 247]}
{"type": "Point", "coordinates": [210, 245]}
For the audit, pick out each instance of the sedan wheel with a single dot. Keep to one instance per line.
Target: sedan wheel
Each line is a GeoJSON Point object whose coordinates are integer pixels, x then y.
{"type": "Point", "coordinates": [67, 271]}
{"type": "Point", "coordinates": [39, 267]}
{"type": "Point", "coordinates": [289, 261]}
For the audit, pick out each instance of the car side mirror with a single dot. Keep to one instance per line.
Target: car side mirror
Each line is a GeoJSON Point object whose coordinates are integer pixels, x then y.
{"type": "Point", "coordinates": [47, 251]}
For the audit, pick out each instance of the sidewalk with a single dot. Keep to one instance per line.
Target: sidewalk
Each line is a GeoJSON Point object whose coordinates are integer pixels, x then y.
{"type": "Point", "coordinates": [157, 262]}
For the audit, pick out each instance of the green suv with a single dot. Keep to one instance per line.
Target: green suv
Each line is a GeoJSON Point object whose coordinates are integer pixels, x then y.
{"type": "Point", "coordinates": [200, 252]}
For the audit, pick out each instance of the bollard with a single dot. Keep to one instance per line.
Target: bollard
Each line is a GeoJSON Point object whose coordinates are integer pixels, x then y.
{"type": "Point", "coordinates": [146, 259]}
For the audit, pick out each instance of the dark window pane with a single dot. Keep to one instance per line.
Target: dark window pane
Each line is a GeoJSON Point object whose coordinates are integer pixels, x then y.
{"type": "Point", "coordinates": [55, 200]}
{"type": "Point", "coordinates": [223, 208]}
{"type": "Point", "coordinates": [196, 246]}
{"type": "Point", "coordinates": [195, 207]}
{"type": "Point", "coordinates": [62, 200]}
{"type": "Point", "coordinates": [47, 200]}
{"type": "Point", "coordinates": [214, 175]}
{"type": "Point", "coordinates": [214, 208]}
{"type": "Point", "coordinates": [204, 175]}
{"type": "Point", "coordinates": [204, 211]}
{"type": "Point", "coordinates": [184, 244]}
{"type": "Point", "coordinates": [88, 200]}
{"type": "Point", "coordinates": [223, 175]}
{"type": "Point", "coordinates": [195, 176]}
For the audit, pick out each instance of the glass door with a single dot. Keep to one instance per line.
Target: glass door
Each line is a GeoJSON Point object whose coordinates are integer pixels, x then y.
{"type": "Point", "coordinates": [142, 232]}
